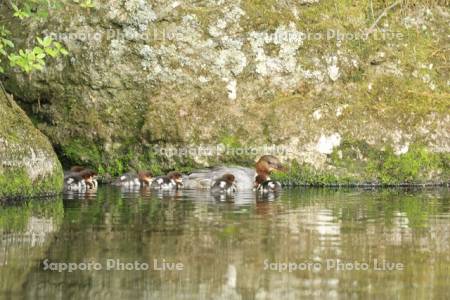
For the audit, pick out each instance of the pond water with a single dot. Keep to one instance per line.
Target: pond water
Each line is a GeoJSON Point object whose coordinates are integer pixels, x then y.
{"type": "Point", "coordinates": [306, 243]}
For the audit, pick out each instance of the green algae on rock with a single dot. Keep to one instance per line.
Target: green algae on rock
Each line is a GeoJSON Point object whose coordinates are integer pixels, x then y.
{"type": "Point", "coordinates": [29, 166]}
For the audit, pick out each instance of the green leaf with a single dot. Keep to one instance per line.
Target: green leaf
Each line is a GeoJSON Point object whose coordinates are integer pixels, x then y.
{"type": "Point", "coordinates": [47, 41]}
{"type": "Point", "coordinates": [8, 43]}
{"type": "Point", "coordinates": [38, 50]}
{"type": "Point", "coordinates": [64, 51]}
{"type": "Point", "coordinates": [53, 53]}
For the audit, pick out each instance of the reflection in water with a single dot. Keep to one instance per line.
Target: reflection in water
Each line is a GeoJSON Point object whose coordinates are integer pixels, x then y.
{"type": "Point", "coordinates": [25, 234]}
{"type": "Point", "coordinates": [223, 245]}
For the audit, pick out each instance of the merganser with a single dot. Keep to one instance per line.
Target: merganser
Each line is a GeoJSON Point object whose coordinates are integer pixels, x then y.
{"type": "Point", "coordinates": [132, 179]}
{"type": "Point", "coordinates": [172, 181]}
{"type": "Point", "coordinates": [79, 170]}
{"type": "Point", "coordinates": [224, 185]}
{"type": "Point", "coordinates": [264, 185]}
{"type": "Point", "coordinates": [74, 182]}
{"type": "Point", "coordinates": [244, 177]}
{"type": "Point", "coordinates": [80, 179]}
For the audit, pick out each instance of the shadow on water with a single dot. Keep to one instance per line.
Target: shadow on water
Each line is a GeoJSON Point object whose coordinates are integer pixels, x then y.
{"type": "Point", "coordinates": [229, 248]}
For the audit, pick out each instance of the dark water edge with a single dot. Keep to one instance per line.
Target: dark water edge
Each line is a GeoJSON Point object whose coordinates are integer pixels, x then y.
{"type": "Point", "coordinates": [224, 245]}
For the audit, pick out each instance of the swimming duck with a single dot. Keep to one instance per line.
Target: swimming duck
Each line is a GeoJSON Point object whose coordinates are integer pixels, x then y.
{"type": "Point", "coordinates": [132, 179]}
{"type": "Point", "coordinates": [80, 179]}
{"type": "Point", "coordinates": [172, 181]}
{"type": "Point", "coordinates": [244, 177]}
{"type": "Point", "coordinates": [224, 185]}
{"type": "Point", "coordinates": [264, 185]}
{"type": "Point", "coordinates": [86, 172]}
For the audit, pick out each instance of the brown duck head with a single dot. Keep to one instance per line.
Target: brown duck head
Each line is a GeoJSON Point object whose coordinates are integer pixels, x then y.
{"type": "Point", "coordinates": [145, 177]}
{"type": "Point", "coordinates": [267, 164]}
{"type": "Point", "coordinates": [176, 176]}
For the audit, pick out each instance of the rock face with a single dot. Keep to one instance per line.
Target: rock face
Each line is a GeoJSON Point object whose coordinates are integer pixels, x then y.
{"type": "Point", "coordinates": [237, 77]}
{"type": "Point", "coordinates": [29, 166]}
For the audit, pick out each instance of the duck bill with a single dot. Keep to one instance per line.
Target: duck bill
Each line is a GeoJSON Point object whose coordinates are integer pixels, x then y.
{"type": "Point", "coordinates": [279, 168]}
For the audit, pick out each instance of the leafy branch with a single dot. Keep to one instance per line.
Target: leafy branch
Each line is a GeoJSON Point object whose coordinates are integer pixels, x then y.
{"type": "Point", "coordinates": [28, 60]}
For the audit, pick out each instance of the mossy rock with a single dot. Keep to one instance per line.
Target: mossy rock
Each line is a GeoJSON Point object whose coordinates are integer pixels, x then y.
{"type": "Point", "coordinates": [29, 166]}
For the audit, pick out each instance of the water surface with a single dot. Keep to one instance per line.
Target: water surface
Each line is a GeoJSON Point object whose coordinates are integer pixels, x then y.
{"type": "Point", "coordinates": [229, 250]}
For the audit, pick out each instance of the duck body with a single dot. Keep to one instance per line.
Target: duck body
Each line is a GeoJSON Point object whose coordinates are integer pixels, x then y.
{"type": "Point", "coordinates": [80, 179]}
{"type": "Point", "coordinates": [264, 185]}
{"type": "Point", "coordinates": [224, 185]}
{"type": "Point", "coordinates": [129, 179]}
{"type": "Point", "coordinates": [74, 183]}
{"type": "Point", "coordinates": [206, 178]}
{"type": "Point", "coordinates": [269, 186]}
{"type": "Point", "coordinates": [172, 181]}
{"type": "Point", "coordinates": [133, 179]}
{"type": "Point", "coordinates": [89, 175]}
{"type": "Point", "coordinates": [244, 177]}
{"type": "Point", "coordinates": [164, 183]}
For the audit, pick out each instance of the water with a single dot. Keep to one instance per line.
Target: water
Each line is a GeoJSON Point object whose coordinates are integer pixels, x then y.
{"type": "Point", "coordinates": [230, 250]}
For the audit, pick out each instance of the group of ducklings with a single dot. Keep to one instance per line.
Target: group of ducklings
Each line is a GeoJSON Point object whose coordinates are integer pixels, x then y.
{"type": "Point", "coordinates": [82, 179]}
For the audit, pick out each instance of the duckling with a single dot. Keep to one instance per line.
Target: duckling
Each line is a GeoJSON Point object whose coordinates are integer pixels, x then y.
{"type": "Point", "coordinates": [173, 180]}
{"type": "Point", "coordinates": [224, 185]}
{"type": "Point", "coordinates": [83, 171]}
{"type": "Point", "coordinates": [90, 177]}
{"type": "Point", "coordinates": [75, 183]}
{"type": "Point", "coordinates": [145, 178]}
{"type": "Point", "coordinates": [265, 185]}
{"type": "Point", "coordinates": [244, 177]}
{"type": "Point", "coordinates": [80, 181]}
{"type": "Point", "coordinates": [131, 179]}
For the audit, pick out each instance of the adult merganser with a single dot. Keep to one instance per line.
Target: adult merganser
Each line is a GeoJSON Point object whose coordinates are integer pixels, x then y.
{"type": "Point", "coordinates": [224, 185]}
{"type": "Point", "coordinates": [132, 179]}
{"type": "Point", "coordinates": [244, 177]}
{"type": "Point", "coordinates": [172, 181]}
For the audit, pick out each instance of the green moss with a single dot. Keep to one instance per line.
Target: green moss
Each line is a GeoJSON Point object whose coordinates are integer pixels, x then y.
{"type": "Point", "coordinates": [357, 163]}
{"type": "Point", "coordinates": [18, 136]}
{"type": "Point", "coordinates": [366, 164]}
{"type": "Point", "coordinates": [79, 151]}
{"type": "Point", "coordinates": [304, 174]}
{"type": "Point", "coordinates": [265, 14]}
{"type": "Point", "coordinates": [17, 184]}
{"type": "Point", "coordinates": [415, 166]}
